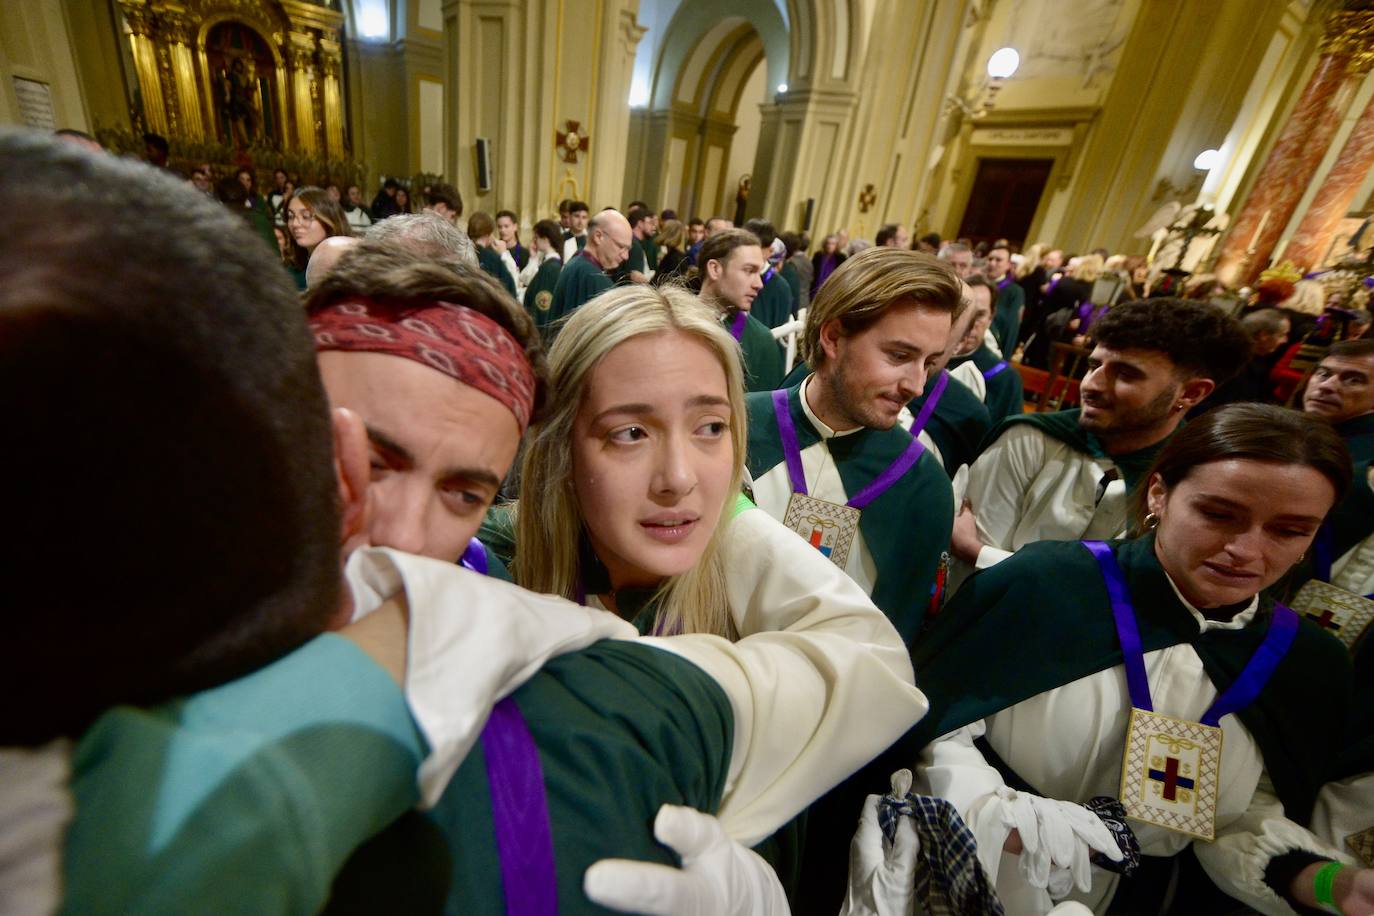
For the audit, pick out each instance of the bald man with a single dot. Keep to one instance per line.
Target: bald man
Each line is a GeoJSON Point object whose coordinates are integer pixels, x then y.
{"type": "Point", "coordinates": [587, 274]}
{"type": "Point", "coordinates": [325, 256]}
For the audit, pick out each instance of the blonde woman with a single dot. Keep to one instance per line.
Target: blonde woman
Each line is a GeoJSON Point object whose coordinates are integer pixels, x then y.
{"type": "Point", "coordinates": [630, 493]}
{"type": "Point", "coordinates": [631, 502]}
{"type": "Point", "coordinates": [1068, 309]}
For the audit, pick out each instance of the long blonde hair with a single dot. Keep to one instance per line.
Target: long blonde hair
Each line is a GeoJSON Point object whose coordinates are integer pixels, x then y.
{"type": "Point", "coordinates": [549, 521]}
{"type": "Point", "coordinates": [1031, 259]}
{"type": "Point", "coordinates": [1088, 268]}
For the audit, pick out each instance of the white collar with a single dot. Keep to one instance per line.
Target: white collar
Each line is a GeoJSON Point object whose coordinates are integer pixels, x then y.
{"type": "Point", "coordinates": [825, 431]}
{"type": "Point", "coordinates": [1238, 622]}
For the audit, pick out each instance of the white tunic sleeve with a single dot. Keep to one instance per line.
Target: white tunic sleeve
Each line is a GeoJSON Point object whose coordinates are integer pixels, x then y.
{"type": "Point", "coordinates": [997, 485]}
{"type": "Point", "coordinates": [1244, 847]}
{"type": "Point", "coordinates": [820, 682]}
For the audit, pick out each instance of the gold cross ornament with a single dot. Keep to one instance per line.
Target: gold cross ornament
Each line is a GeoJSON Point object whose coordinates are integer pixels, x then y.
{"type": "Point", "coordinates": [572, 141]}
{"type": "Point", "coordinates": [867, 198]}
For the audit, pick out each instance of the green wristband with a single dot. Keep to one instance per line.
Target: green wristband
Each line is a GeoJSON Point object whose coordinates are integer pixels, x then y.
{"type": "Point", "coordinates": [1322, 884]}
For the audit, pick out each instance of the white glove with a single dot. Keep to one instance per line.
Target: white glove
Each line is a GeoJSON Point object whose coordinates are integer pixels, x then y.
{"type": "Point", "coordinates": [1057, 838]}
{"type": "Point", "coordinates": [719, 877]}
{"type": "Point", "coordinates": [882, 878]}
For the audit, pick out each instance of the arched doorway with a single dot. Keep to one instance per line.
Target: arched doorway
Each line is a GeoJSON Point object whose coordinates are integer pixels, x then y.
{"type": "Point", "coordinates": [243, 74]}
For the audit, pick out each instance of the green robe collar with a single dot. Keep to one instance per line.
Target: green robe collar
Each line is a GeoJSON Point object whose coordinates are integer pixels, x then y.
{"type": "Point", "coordinates": [1063, 425]}
{"type": "Point", "coordinates": [906, 529]}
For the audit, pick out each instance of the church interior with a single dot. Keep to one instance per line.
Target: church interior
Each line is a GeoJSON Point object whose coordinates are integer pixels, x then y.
{"type": "Point", "coordinates": [1244, 124]}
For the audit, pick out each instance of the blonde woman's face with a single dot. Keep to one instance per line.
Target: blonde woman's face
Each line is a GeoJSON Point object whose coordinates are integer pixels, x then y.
{"type": "Point", "coordinates": [652, 456]}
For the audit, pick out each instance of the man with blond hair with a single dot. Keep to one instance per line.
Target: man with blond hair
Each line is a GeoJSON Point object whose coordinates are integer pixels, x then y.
{"type": "Point", "coordinates": [827, 454]}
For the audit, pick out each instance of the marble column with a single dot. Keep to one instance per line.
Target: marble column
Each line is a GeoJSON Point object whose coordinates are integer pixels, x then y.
{"type": "Point", "coordinates": [1318, 226]}
{"type": "Point", "coordinates": [1287, 172]}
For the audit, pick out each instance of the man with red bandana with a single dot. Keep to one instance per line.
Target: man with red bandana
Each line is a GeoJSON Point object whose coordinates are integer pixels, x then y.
{"type": "Point", "coordinates": [444, 373]}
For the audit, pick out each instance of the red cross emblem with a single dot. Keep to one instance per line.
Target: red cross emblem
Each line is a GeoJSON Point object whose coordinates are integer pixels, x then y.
{"type": "Point", "coordinates": [1172, 781]}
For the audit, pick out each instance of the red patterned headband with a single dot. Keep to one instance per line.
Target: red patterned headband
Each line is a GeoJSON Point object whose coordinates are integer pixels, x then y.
{"type": "Point", "coordinates": [453, 339]}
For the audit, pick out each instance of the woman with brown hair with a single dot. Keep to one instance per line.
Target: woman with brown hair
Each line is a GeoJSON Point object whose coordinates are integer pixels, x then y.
{"type": "Point", "coordinates": [1078, 684]}
{"type": "Point", "coordinates": [311, 217]}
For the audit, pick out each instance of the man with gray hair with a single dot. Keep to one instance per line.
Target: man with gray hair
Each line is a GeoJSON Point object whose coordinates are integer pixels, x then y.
{"type": "Point", "coordinates": [587, 274]}
{"type": "Point", "coordinates": [959, 257]}
{"type": "Point", "coordinates": [428, 234]}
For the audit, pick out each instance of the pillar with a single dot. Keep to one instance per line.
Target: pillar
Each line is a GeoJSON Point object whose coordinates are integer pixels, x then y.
{"type": "Point", "coordinates": [1296, 155]}
{"type": "Point", "coordinates": [1318, 227]}
{"type": "Point", "coordinates": [331, 57]}
{"type": "Point", "coordinates": [145, 64]}
{"type": "Point", "coordinates": [178, 30]}
{"type": "Point", "coordinates": [301, 60]}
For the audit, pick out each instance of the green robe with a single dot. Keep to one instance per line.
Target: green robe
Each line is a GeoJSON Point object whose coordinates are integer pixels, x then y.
{"type": "Point", "coordinates": [650, 252]}
{"type": "Point", "coordinates": [490, 262]}
{"type": "Point", "coordinates": [580, 281]}
{"type": "Point", "coordinates": [958, 424]}
{"type": "Point", "coordinates": [1006, 395]}
{"type": "Point", "coordinates": [1359, 437]}
{"type": "Point", "coordinates": [1006, 320]}
{"type": "Point", "coordinates": [774, 303]}
{"type": "Point", "coordinates": [621, 729]}
{"type": "Point", "coordinates": [1047, 608]}
{"type": "Point", "coordinates": [539, 294]}
{"type": "Point", "coordinates": [905, 530]}
{"type": "Point", "coordinates": [761, 354]}
{"type": "Point", "coordinates": [793, 279]}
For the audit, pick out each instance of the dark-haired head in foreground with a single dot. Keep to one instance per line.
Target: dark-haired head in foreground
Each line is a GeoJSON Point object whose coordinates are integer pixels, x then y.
{"type": "Point", "coordinates": [173, 517]}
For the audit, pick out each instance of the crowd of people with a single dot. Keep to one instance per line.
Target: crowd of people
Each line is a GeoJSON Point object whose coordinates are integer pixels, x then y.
{"type": "Point", "coordinates": [634, 564]}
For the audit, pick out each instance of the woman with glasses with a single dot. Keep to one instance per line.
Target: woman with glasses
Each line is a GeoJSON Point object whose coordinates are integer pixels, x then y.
{"type": "Point", "coordinates": [311, 217]}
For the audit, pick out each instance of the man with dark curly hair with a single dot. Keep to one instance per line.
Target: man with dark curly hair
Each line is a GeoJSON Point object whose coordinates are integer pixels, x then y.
{"type": "Point", "coordinates": [1066, 475]}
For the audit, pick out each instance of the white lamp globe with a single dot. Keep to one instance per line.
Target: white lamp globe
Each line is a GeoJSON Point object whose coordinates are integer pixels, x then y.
{"type": "Point", "coordinates": [782, 87]}
{"type": "Point", "coordinates": [1207, 160]}
{"type": "Point", "coordinates": [1003, 63]}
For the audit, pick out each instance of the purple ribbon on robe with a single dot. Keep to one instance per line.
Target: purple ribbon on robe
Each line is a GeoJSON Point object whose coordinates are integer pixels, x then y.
{"type": "Point", "coordinates": [519, 813]}
{"type": "Point", "coordinates": [738, 324]}
{"type": "Point", "coordinates": [791, 447]}
{"type": "Point", "coordinates": [475, 557]}
{"type": "Point", "coordinates": [1242, 692]}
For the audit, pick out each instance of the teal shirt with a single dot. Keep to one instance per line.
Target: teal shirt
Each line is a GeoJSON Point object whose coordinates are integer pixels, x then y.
{"type": "Point", "coordinates": [234, 801]}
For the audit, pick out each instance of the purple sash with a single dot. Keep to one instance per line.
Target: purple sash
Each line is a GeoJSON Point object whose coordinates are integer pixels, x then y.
{"type": "Point", "coordinates": [791, 448]}
{"type": "Point", "coordinates": [519, 813]}
{"type": "Point", "coordinates": [1282, 629]}
{"type": "Point", "coordinates": [475, 557]}
{"type": "Point", "coordinates": [737, 326]}
{"type": "Point", "coordinates": [1004, 282]}
{"type": "Point", "coordinates": [996, 370]}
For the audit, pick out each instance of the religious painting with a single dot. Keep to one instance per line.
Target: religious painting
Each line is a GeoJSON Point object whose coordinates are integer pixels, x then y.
{"type": "Point", "coordinates": [243, 73]}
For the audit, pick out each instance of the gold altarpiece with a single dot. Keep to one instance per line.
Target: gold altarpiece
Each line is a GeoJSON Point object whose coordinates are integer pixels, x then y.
{"type": "Point", "coordinates": [250, 76]}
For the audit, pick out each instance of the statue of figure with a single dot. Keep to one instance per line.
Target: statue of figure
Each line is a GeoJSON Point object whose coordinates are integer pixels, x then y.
{"type": "Point", "coordinates": [742, 199]}
{"type": "Point", "coordinates": [238, 102]}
